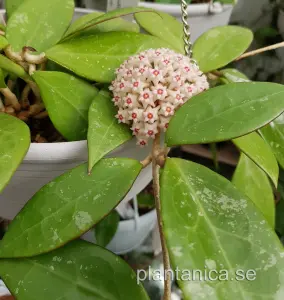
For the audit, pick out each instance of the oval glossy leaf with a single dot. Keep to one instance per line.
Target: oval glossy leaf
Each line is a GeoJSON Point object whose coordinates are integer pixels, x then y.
{"type": "Point", "coordinates": [210, 225]}
{"type": "Point", "coordinates": [273, 133]}
{"type": "Point", "coordinates": [234, 75]}
{"type": "Point", "coordinates": [226, 112]}
{"type": "Point", "coordinates": [94, 21]}
{"type": "Point", "coordinates": [258, 150]}
{"type": "Point", "coordinates": [163, 26]}
{"type": "Point", "coordinates": [96, 57]}
{"type": "Point", "coordinates": [12, 5]}
{"type": "Point", "coordinates": [15, 142]}
{"type": "Point", "coordinates": [117, 24]}
{"type": "Point", "coordinates": [67, 100]}
{"type": "Point", "coordinates": [79, 270]}
{"type": "Point", "coordinates": [221, 45]}
{"type": "Point", "coordinates": [253, 182]}
{"type": "Point", "coordinates": [13, 68]}
{"type": "Point", "coordinates": [39, 26]}
{"type": "Point", "coordinates": [69, 206]}
{"type": "Point", "coordinates": [106, 228]}
{"type": "Point", "coordinates": [3, 42]}
{"type": "Point", "coordinates": [105, 133]}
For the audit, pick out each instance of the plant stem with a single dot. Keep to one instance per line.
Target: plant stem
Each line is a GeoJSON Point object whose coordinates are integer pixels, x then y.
{"type": "Point", "coordinates": [156, 185]}
{"type": "Point", "coordinates": [11, 98]}
{"type": "Point", "coordinates": [261, 50]}
{"type": "Point", "coordinates": [25, 103]}
{"type": "Point", "coordinates": [146, 162]}
{"type": "Point", "coordinates": [214, 153]}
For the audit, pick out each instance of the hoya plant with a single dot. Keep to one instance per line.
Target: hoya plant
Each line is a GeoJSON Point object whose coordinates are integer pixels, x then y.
{"type": "Point", "coordinates": [102, 80]}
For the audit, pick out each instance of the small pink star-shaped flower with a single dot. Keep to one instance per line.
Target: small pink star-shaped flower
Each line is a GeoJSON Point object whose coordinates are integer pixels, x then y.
{"type": "Point", "coordinates": [130, 100]}
{"type": "Point", "coordinates": [146, 98]}
{"type": "Point", "coordinates": [136, 115]}
{"type": "Point", "coordinates": [151, 130]}
{"type": "Point", "coordinates": [160, 92]}
{"type": "Point", "coordinates": [164, 123]}
{"type": "Point", "coordinates": [122, 116]}
{"type": "Point", "coordinates": [167, 109]}
{"type": "Point", "coordinates": [151, 114]}
{"type": "Point", "coordinates": [137, 128]}
{"type": "Point", "coordinates": [142, 140]}
{"type": "Point", "coordinates": [155, 76]}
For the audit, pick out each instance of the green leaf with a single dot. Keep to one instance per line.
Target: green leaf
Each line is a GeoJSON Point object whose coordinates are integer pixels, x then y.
{"type": "Point", "coordinates": [258, 150]}
{"type": "Point", "coordinates": [12, 5]}
{"type": "Point", "coordinates": [226, 112]}
{"type": "Point", "coordinates": [234, 75]}
{"type": "Point", "coordinates": [3, 42]}
{"type": "Point", "coordinates": [210, 225]}
{"type": "Point", "coordinates": [106, 228]}
{"type": "Point", "coordinates": [39, 26]}
{"type": "Point", "coordinates": [93, 20]}
{"type": "Point", "coordinates": [146, 200]}
{"type": "Point", "coordinates": [13, 68]}
{"type": "Point", "coordinates": [221, 45]}
{"type": "Point", "coordinates": [105, 133]}
{"type": "Point", "coordinates": [163, 26]}
{"type": "Point", "coordinates": [69, 206]}
{"type": "Point", "coordinates": [253, 182]}
{"type": "Point", "coordinates": [15, 142]}
{"type": "Point", "coordinates": [280, 210]}
{"type": "Point", "coordinates": [67, 100]}
{"type": "Point", "coordinates": [117, 24]}
{"type": "Point", "coordinates": [273, 133]}
{"type": "Point", "coordinates": [96, 57]}
{"type": "Point", "coordinates": [79, 270]}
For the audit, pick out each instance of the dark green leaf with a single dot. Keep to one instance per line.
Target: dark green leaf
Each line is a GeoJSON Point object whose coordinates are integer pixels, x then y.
{"type": "Point", "coordinates": [39, 26]}
{"type": "Point", "coordinates": [69, 206]}
{"type": "Point", "coordinates": [78, 271]}
{"type": "Point", "coordinates": [96, 57]}
{"type": "Point", "coordinates": [67, 100]}
{"type": "Point", "coordinates": [106, 228]}
{"type": "Point", "coordinates": [258, 150]}
{"type": "Point", "coordinates": [12, 5]}
{"type": "Point", "coordinates": [117, 24]}
{"type": "Point", "coordinates": [226, 112]}
{"type": "Point", "coordinates": [94, 20]}
{"type": "Point", "coordinates": [280, 210]}
{"type": "Point", "coordinates": [274, 135]}
{"type": "Point", "coordinates": [253, 182]}
{"type": "Point", "coordinates": [210, 225]}
{"type": "Point", "coordinates": [146, 200]}
{"type": "Point", "coordinates": [105, 133]}
{"type": "Point", "coordinates": [13, 68]}
{"type": "Point", "coordinates": [163, 26]}
{"type": "Point", "coordinates": [2, 79]}
{"type": "Point", "coordinates": [221, 45]}
{"type": "Point", "coordinates": [15, 142]}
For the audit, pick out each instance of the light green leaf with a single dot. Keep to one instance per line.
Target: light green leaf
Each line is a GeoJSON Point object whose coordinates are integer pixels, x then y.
{"type": "Point", "coordinates": [98, 20]}
{"type": "Point", "coordinates": [15, 142]}
{"type": "Point", "coordinates": [117, 24]}
{"type": "Point", "coordinates": [96, 57]}
{"type": "Point", "coordinates": [105, 133]}
{"type": "Point", "coordinates": [12, 5]}
{"type": "Point", "coordinates": [226, 112]}
{"type": "Point", "coordinates": [253, 182]}
{"type": "Point", "coordinates": [258, 150]}
{"type": "Point", "coordinates": [163, 26]}
{"type": "Point", "coordinates": [3, 42]}
{"type": "Point", "coordinates": [78, 271]}
{"type": "Point", "coordinates": [106, 229]}
{"type": "Point", "coordinates": [39, 26]}
{"type": "Point", "coordinates": [13, 68]}
{"type": "Point", "coordinates": [210, 225]}
{"type": "Point", "coordinates": [234, 75]}
{"type": "Point", "coordinates": [69, 206]}
{"type": "Point", "coordinates": [273, 133]}
{"type": "Point", "coordinates": [221, 45]}
{"type": "Point", "coordinates": [67, 100]}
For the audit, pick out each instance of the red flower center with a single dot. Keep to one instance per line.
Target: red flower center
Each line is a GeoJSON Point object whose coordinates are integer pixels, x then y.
{"type": "Point", "coordinates": [150, 132]}
{"type": "Point", "coordinates": [120, 117]}
{"type": "Point", "coordinates": [128, 101]}
{"type": "Point", "coordinates": [136, 84]}
{"type": "Point", "coordinates": [142, 143]}
{"type": "Point", "coordinates": [136, 130]}
{"type": "Point", "coordinates": [160, 91]}
{"type": "Point", "coordinates": [150, 116]}
{"type": "Point", "coordinates": [121, 85]}
{"type": "Point", "coordinates": [141, 70]}
{"type": "Point", "coordinates": [134, 115]}
{"type": "Point", "coordinates": [156, 72]}
{"type": "Point", "coordinates": [146, 96]}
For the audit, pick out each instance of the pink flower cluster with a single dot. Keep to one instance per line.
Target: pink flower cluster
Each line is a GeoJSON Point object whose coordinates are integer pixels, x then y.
{"type": "Point", "coordinates": [150, 86]}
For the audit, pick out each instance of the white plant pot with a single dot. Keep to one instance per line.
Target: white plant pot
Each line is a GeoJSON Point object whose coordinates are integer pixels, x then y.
{"type": "Point", "coordinates": [44, 162]}
{"type": "Point", "coordinates": [200, 18]}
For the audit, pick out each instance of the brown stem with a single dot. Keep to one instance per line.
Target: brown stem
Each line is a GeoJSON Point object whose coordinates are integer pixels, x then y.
{"type": "Point", "coordinates": [36, 109]}
{"type": "Point", "coordinates": [156, 153]}
{"type": "Point", "coordinates": [35, 90]}
{"type": "Point", "coordinates": [24, 101]}
{"type": "Point", "coordinates": [15, 56]}
{"type": "Point", "coordinates": [261, 50]}
{"type": "Point", "coordinates": [11, 98]}
{"type": "Point", "coordinates": [41, 115]}
{"type": "Point", "coordinates": [2, 107]}
{"type": "Point", "coordinates": [146, 162]}
{"type": "Point", "coordinates": [11, 84]}
{"type": "Point", "coordinates": [32, 69]}
{"type": "Point", "coordinates": [33, 59]}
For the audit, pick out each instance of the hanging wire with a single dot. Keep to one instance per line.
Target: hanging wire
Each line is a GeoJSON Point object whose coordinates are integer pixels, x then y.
{"type": "Point", "coordinates": [186, 29]}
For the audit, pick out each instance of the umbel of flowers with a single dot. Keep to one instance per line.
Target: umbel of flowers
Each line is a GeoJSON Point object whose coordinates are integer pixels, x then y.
{"type": "Point", "coordinates": [150, 86]}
